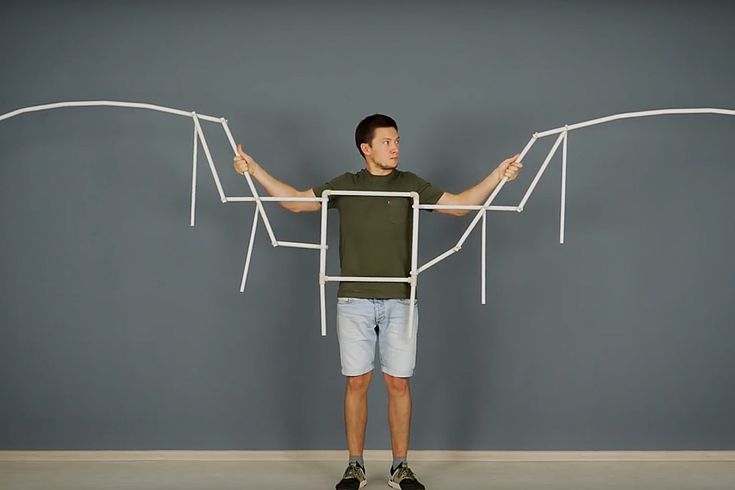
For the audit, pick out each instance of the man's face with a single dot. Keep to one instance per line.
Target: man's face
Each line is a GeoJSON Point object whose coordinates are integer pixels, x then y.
{"type": "Point", "coordinates": [383, 150]}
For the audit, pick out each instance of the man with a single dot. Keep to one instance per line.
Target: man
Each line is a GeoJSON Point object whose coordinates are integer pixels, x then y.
{"type": "Point", "coordinates": [375, 240]}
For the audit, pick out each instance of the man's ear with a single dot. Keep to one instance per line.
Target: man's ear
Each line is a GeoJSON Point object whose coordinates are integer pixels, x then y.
{"type": "Point", "coordinates": [366, 148]}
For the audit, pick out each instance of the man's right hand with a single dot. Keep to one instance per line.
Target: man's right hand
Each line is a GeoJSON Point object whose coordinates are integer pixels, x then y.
{"type": "Point", "coordinates": [244, 162]}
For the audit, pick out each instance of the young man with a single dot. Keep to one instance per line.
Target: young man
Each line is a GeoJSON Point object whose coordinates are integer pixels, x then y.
{"type": "Point", "coordinates": [375, 240]}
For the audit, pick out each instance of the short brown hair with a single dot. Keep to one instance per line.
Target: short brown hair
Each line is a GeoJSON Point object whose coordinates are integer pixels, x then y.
{"type": "Point", "coordinates": [365, 131]}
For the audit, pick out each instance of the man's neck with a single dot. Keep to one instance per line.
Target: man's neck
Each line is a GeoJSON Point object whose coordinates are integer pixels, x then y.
{"type": "Point", "coordinates": [374, 169]}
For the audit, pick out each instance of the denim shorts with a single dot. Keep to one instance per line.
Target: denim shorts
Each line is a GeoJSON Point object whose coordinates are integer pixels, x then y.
{"type": "Point", "coordinates": [361, 323]}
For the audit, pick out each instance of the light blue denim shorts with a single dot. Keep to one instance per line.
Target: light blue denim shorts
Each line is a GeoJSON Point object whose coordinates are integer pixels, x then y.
{"type": "Point", "coordinates": [363, 323]}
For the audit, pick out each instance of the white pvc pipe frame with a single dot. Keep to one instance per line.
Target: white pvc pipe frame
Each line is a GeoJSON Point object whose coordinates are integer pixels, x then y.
{"type": "Point", "coordinates": [199, 138]}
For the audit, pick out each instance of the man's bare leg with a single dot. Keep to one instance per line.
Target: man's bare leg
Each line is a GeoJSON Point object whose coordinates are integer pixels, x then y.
{"type": "Point", "coordinates": [399, 413]}
{"type": "Point", "coordinates": [356, 411]}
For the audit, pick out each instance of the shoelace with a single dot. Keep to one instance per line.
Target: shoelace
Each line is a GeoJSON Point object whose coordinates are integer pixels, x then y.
{"type": "Point", "coordinates": [352, 471]}
{"type": "Point", "coordinates": [404, 473]}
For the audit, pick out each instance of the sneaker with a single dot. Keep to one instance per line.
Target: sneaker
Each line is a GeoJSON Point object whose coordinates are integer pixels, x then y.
{"type": "Point", "coordinates": [353, 478]}
{"type": "Point", "coordinates": [403, 478]}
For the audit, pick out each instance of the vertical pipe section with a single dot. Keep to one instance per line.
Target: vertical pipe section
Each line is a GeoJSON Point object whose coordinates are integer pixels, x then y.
{"type": "Point", "coordinates": [194, 179]}
{"type": "Point", "coordinates": [209, 157]}
{"type": "Point", "coordinates": [250, 251]}
{"type": "Point", "coordinates": [323, 262]}
{"type": "Point", "coordinates": [563, 187]}
{"type": "Point", "coordinates": [258, 203]}
{"type": "Point", "coordinates": [414, 262]}
{"type": "Point", "coordinates": [484, 249]}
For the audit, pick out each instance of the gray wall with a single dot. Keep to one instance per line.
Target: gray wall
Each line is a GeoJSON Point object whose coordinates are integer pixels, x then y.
{"type": "Point", "coordinates": [122, 328]}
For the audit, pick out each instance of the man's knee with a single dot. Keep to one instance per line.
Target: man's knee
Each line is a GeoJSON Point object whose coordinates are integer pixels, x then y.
{"type": "Point", "coordinates": [396, 386]}
{"type": "Point", "coordinates": [359, 384]}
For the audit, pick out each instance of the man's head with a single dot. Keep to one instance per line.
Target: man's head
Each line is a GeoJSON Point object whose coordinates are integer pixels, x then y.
{"type": "Point", "coordinates": [378, 142]}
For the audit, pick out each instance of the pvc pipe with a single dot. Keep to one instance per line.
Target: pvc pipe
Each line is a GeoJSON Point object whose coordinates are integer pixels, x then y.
{"type": "Point", "coordinates": [528, 146]}
{"type": "Point", "coordinates": [275, 199]}
{"type": "Point", "coordinates": [486, 204]}
{"type": "Point", "coordinates": [437, 259]}
{"type": "Point", "coordinates": [370, 193]}
{"type": "Point", "coordinates": [203, 140]}
{"type": "Point", "coordinates": [468, 206]}
{"type": "Point", "coordinates": [492, 196]}
{"type": "Point", "coordinates": [421, 206]}
{"type": "Point", "coordinates": [103, 103]}
{"type": "Point", "coordinates": [484, 251]}
{"type": "Point", "coordinates": [250, 251]}
{"type": "Point", "coordinates": [482, 210]}
{"type": "Point", "coordinates": [194, 178]}
{"type": "Point", "coordinates": [478, 216]}
{"type": "Point", "coordinates": [315, 246]}
{"type": "Point", "coordinates": [414, 262]}
{"type": "Point", "coordinates": [563, 187]}
{"type": "Point", "coordinates": [253, 190]}
{"type": "Point", "coordinates": [323, 261]}
{"type": "Point", "coordinates": [180, 112]}
{"type": "Point", "coordinates": [628, 115]}
{"type": "Point", "coordinates": [411, 308]}
{"type": "Point", "coordinates": [228, 133]}
{"type": "Point", "coordinates": [365, 279]}
{"type": "Point", "coordinates": [541, 171]}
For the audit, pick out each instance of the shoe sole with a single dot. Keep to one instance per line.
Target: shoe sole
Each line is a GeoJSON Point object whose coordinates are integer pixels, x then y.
{"type": "Point", "coordinates": [393, 484]}
{"type": "Point", "coordinates": [363, 483]}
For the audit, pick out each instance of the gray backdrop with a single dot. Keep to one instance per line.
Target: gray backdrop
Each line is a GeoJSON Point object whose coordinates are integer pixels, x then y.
{"type": "Point", "coordinates": [122, 328]}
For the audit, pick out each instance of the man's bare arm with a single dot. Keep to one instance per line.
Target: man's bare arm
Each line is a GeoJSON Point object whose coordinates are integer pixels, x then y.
{"type": "Point", "coordinates": [479, 193]}
{"type": "Point", "coordinates": [245, 163]}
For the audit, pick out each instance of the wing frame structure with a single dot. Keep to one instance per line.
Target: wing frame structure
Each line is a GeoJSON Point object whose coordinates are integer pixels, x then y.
{"type": "Point", "coordinates": [199, 138]}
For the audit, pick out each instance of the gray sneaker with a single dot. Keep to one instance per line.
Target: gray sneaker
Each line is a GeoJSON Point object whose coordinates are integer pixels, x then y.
{"type": "Point", "coordinates": [403, 478]}
{"type": "Point", "coordinates": [353, 478]}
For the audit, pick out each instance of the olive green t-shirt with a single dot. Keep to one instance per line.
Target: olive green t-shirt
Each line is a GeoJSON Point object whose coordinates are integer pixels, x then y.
{"type": "Point", "coordinates": [375, 232]}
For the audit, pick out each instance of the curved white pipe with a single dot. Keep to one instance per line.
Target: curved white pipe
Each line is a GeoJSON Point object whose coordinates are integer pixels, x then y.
{"type": "Point", "coordinates": [106, 103]}
{"type": "Point", "coordinates": [630, 115]}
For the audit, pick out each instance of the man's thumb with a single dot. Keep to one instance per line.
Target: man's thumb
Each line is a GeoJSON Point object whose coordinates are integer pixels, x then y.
{"type": "Point", "coordinates": [240, 150]}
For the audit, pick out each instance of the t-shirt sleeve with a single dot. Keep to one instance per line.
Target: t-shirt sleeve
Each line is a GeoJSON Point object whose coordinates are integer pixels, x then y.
{"type": "Point", "coordinates": [428, 194]}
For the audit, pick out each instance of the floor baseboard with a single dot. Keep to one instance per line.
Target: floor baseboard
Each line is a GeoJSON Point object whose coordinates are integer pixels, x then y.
{"type": "Point", "coordinates": [372, 455]}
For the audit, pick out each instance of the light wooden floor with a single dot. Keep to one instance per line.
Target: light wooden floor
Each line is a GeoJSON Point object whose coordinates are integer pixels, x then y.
{"type": "Point", "coordinates": [323, 475]}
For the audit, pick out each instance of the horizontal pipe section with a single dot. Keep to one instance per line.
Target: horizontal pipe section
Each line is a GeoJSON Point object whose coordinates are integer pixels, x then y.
{"type": "Point", "coordinates": [315, 246]}
{"type": "Point", "coordinates": [370, 193]}
{"type": "Point", "coordinates": [468, 206]}
{"type": "Point", "coordinates": [275, 199]}
{"type": "Point", "coordinates": [421, 206]}
{"type": "Point", "coordinates": [365, 279]}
